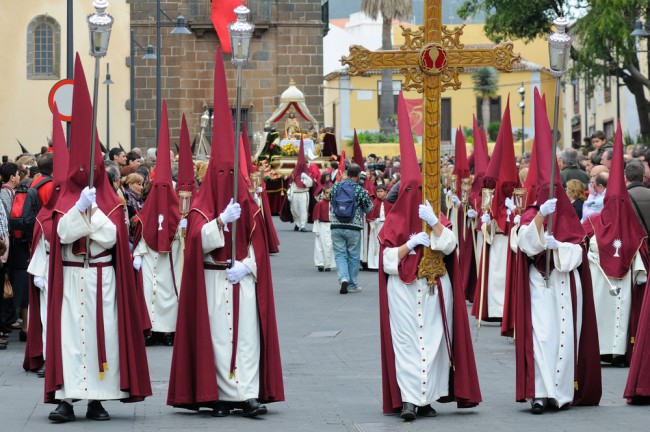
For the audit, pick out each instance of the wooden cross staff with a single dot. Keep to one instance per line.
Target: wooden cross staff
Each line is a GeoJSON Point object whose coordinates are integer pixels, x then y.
{"type": "Point", "coordinates": [431, 60]}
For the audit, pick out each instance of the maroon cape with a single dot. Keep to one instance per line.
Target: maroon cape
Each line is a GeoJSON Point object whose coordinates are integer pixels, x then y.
{"type": "Point", "coordinates": [466, 260]}
{"type": "Point", "coordinates": [33, 359]}
{"type": "Point", "coordinates": [376, 208]}
{"type": "Point", "coordinates": [588, 383]}
{"type": "Point", "coordinates": [637, 389]}
{"type": "Point", "coordinates": [134, 370]}
{"type": "Point", "coordinates": [193, 378]}
{"type": "Point", "coordinates": [464, 386]}
{"type": "Point", "coordinates": [322, 211]}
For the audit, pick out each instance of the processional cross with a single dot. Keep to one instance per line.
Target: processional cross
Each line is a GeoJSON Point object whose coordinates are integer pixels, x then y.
{"type": "Point", "coordinates": [431, 60]}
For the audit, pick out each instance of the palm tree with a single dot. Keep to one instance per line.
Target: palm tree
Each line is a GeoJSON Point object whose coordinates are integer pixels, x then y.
{"type": "Point", "coordinates": [388, 10]}
{"type": "Point", "coordinates": [485, 85]}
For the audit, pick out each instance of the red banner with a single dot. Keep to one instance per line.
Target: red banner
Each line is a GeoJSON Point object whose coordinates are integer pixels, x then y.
{"type": "Point", "coordinates": [414, 107]}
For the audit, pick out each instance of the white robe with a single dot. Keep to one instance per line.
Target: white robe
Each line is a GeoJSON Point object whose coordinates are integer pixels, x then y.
{"type": "Point", "coordinates": [39, 266]}
{"type": "Point", "coordinates": [496, 270]}
{"type": "Point", "coordinates": [612, 312]}
{"type": "Point", "coordinates": [245, 382]}
{"type": "Point", "coordinates": [552, 316]}
{"type": "Point", "coordinates": [300, 202]}
{"type": "Point", "coordinates": [81, 379]}
{"type": "Point", "coordinates": [159, 292]}
{"type": "Point", "coordinates": [323, 248]}
{"type": "Point", "coordinates": [363, 257]}
{"type": "Point", "coordinates": [373, 240]}
{"type": "Point", "coordinates": [421, 355]}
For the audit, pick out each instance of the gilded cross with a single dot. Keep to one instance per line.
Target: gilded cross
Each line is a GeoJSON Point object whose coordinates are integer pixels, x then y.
{"type": "Point", "coordinates": [431, 60]}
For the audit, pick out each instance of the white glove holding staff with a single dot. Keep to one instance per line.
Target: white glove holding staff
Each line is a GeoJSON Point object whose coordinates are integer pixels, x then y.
{"type": "Point", "coordinates": [231, 213]}
{"type": "Point", "coordinates": [425, 211]}
{"type": "Point", "coordinates": [419, 239]}
{"type": "Point", "coordinates": [87, 198]}
{"type": "Point", "coordinates": [137, 262]}
{"type": "Point", "coordinates": [551, 243]}
{"type": "Point", "coordinates": [548, 207]}
{"type": "Point", "coordinates": [237, 272]}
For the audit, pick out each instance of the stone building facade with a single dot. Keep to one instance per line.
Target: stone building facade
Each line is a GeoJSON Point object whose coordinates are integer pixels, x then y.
{"type": "Point", "coordinates": [288, 44]}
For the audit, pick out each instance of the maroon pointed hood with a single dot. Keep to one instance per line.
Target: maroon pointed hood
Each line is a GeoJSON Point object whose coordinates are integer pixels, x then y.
{"type": "Point", "coordinates": [79, 160]}
{"type": "Point", "coordinates": [357, 156]}
{"type": "Point", "coordinates": [160, 213]}
{"type": "Point", "coordinates": [502, 174]}
{"type": "Point", "coordinates": [481, 161]}
{"type": "Point", "coordinates": [301, 167]}
{"type": "Point", "coordinates": [461, 165]}
{"type": "Point", "coordinates": [185, 180]}
{"type": "Point", "coordinates": [618, 231]}
{"type": "Point", "coordinates": [531, 178]}
{"type": "Point", "coordinates": [566, 224]}
{"type": "Point", "coordinates": [216, 191]}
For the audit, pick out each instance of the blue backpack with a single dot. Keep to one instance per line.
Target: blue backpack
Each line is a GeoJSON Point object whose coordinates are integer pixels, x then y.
{"type": "Point", "coordinates": [344, 202]}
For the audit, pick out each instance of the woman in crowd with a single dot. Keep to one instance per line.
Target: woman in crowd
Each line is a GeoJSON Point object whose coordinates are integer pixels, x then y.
{"type": "Point", "coordinates": [575, 189]}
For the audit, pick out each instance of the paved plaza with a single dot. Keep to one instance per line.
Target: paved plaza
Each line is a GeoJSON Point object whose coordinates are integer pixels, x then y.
{"type": "Point", "coordinates": [332, 373]}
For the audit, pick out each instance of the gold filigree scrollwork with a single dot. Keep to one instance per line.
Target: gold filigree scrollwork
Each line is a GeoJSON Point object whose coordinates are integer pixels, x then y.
{"type": "Point", "coordinates": [505, 58]}
{"type": "Point", "coordinates": [362, 60]}
{"type": "Point", "coordinates": [413, 79]}
{"type": "Point", "coordinates": [413, 38]}
{"type": "Point", "coordinates": [451, 38]}
{"type": "Point", "coordinates": [450, 78]}
{"type": "Point", "coordinates": [500, 57]}
{"type": "Point", "coordinates": [358, 60]}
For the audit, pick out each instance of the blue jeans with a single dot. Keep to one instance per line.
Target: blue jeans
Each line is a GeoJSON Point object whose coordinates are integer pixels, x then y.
{"type": "Point", "coordinates": [347, 253]}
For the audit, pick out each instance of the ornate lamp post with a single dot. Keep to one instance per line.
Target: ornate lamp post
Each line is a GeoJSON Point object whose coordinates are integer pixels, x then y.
{"type": "Point", "coordinates": [99, 25]}
{"type": "Point", "coordinates": [241, 32]}
{"type": "Point", "coordinates": [559, 44]}
{"type": "Point", "coordinates": [522, 107]}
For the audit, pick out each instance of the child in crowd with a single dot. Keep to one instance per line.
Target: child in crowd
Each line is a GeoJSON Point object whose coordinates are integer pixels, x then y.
{"type": "Point", "coordinates": [376, 219]}
{"type": "Point", "coordinates": [323, 251]}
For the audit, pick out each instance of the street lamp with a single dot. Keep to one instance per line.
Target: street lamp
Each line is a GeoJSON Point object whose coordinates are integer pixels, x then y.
{"type": "Point", "coordinates": [241, 33]}
{"type": "Point", "coordinates": [559, 44]}
{"type": "Point", "coordinates": [639, 31]}
{"type": "Point", "coordinates": [108, 82]}
{"type": "Point", "coordinates": [150, 55]}
{"type": "Point", "coordinates": [99, 26]}
{"type": "Point", "coordinates": [178, 30]}
{"type": "Point", "coordinates": [522, 107]}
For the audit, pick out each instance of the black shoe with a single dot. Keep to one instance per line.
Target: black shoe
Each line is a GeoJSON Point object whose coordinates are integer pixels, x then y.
{"type": "Point", "coordinates": [328, 269]}
{"type": "Point", "coordinates": [344, 287]}
{"type": "Point", "coordinates": [303, 230]}
{"type": "Point", "coordinates": [168, 340]}
{"type": "Point", "coordinates": [22, 336]}
{"type": "Point", "coordinates": [537, 409]}
{"type": "Point", "coordinates": [96, 411]}
{"type": "Point", "coordinates": [564, 407]}
{"type": "Point", "coordinates": [252, 408]}
{"type": "Point", "coordinates": [321, 268]}
{"type": "Point", "coordinates": [408, 412]}
{"type": "Point", "coordinates": [63, 413]}
{"type": "Point", "coordinates": [41, 372]}
{"type": "Point", "coordinates": [295, 228]}
{"type": "Point", "coordinates": [148, 340]}
{"type": "Point", "coordinates": [427, 411]}
{"type": "Point", "coordinates": [221, 409]}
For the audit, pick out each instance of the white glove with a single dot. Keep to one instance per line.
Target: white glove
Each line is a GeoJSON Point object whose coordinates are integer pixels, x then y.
{"type": "Point", "coordinates": [485, 218]}
{"type": "Point", "coordinates": [418, 239]}
{"type": "Point", "coordinates": [455, 200]}
{"type": "Point", "coordinates": [183, 223]}
{"type": "Point", "coordinates": [231, 213]}
{"type": "Point", "coordinates": [39, 282]}
{"type": "Point", "coordinates": [548, 207]}
{"type": "Point", "coordinates": [259, 189]}
{"type": "Point", "coordinates": [304, 176]}
{"type": "Point", "coordinates": [86, 199]}
{"type": "Point", "coordinates": [448, 193]}
{"type": "Point", "coordinates": [137, 262]}
{"type": "Point", "coordinates": [425, 211]}
{"type": "Point", "coordinates": [510, 204]}
{"type": "Point", "coordinates": [551, 243]}
{"type": "Point", "coordinates": [445, 191]}
{"type": "Point", "coordinates": [471, 213]}
{"type": "Point", "coordinates": [642, 278]}
{"type": "Point", "coordinates": [289, 197]}
{"type": "Point", "coordinates": [237, 272]}
{"type": "Point", "coordinates": [317, 234]}
{"type": "Point", "coordinates": [517, 219]}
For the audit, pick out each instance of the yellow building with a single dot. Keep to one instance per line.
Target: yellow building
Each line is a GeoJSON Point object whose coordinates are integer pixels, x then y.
{"type": "Point", "coordinates": [353, 102]}
{"type": "Point", "coordinates": [33, 38]}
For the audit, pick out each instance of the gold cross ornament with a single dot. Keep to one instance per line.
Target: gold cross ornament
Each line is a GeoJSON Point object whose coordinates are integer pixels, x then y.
{"type": "Point", "coordinates": [431, 60]}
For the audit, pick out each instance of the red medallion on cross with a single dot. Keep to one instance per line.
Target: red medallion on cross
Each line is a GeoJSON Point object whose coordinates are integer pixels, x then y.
{"type": "Point", "coordinates": [433, 59]}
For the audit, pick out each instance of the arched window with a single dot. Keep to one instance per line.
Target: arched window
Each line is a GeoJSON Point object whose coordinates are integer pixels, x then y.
{"type": "Point", "coordinates": [43, 49]}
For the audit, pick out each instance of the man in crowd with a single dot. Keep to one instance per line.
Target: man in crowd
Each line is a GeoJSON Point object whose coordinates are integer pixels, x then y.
{"type": "Point", "coordinates": [639, 194]}
{"type": "Point", "coordinates": [570, 169]}
{"type": "Point", "coordinates": [118, 156]}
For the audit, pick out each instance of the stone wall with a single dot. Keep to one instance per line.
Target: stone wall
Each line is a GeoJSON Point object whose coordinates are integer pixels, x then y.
{"type": "Point", "coordinates": [287, 46]}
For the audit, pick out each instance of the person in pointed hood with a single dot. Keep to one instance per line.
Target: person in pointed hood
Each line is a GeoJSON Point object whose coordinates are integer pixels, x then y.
{"type": "Point", "coordinates": [556, 343]}
{"type": "Point", "coordinates": [157, 253]}
{"type": "Point", "coordinates": [501, 177]}
{"type": "Point", "coordinates": [298, 194]}
{"type": "Point", "coordinates": [39, 261]}
{"type": "Point", "coordinates": [186, 180]}
{"type": "Point", "coordinates": [461, 221]}
{"type": "Point", "coordinates": [426, 349]}
{"type": "Point", "coordinates": [226, 351]}
{"type": "Point", "coordinates": [329, 143]}
{"type": "Point", "coordinates": [618, 260]}
{"type": "Point", "coordinates": [94, 346]}
{"type": "Point", "coordinates": [479, 160]}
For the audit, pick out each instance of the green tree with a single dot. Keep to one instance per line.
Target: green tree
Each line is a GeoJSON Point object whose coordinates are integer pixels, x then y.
{"type": "Point", "coordinates": [388, 10]}
{"type": "Point", "coordinates": [485, 85]}
{"type": "Point", "coordinates": [602, 48]}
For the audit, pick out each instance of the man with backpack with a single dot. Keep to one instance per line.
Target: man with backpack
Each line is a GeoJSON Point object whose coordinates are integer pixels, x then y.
{"type": "Point", "coordinates": [348, 203]}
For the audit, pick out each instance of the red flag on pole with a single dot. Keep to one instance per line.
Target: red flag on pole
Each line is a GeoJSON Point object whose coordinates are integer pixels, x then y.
{"type": "Point", "coordinates": [222, 15]}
